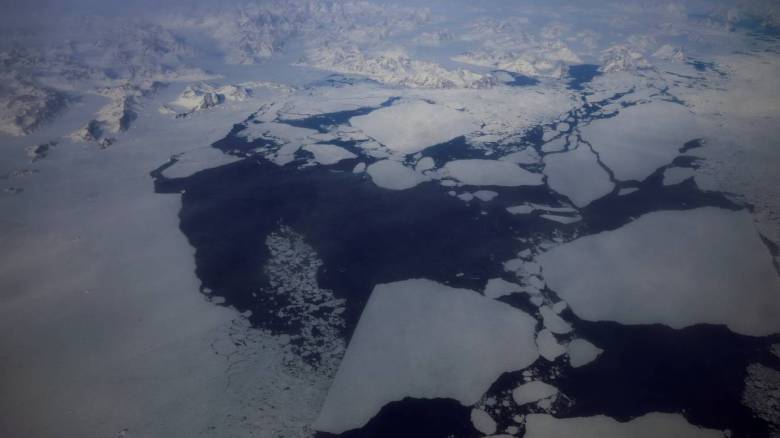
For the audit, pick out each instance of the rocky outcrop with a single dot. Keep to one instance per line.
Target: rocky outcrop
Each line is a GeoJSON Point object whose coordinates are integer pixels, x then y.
{"type": "Point", "coordinates": [668, 52]}
{"type": "Point", "coordinates": [117, 115]}
{"type": "Point", "coordinates": [39, 151]}
{"type": "Point", "coordinates": [204, 96]}
{"type": "Point", "coordinates": [622, 58]}
{"type": "Point", "coordinates": [24, 105]}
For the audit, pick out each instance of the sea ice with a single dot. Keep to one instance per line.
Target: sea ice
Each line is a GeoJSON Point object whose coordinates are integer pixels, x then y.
{"type": "Point", "coordinates": [553, 322]}
{"type": "Point", "coordinates": [549, 348]}
{"type": "Point", "coordinates": [418, 338]}
{"type": "Point", "coordinates": [566, 220]}
{"type": "Point", "coordinates": [652, 425]}
{"type": "Point", "coordinates": [577, 175]}
{"type": "Point", "coordinates": [425, 163]}
{"type": "Point", "coordinates": [390, 174]}
{"type": "Point", "coordinates": [521, 209]}
{"type": "Point", "coordinates": [483, 422]}
{"type": "Point", "coordinates": [676, 175]}
{"type": "Point", "coordinates": [279, 132]}
{"type": "Point", "coordinates": [526, 156]}
{"type": "Point", "coordinates": [468, 197]}
{"type": "Point", "coordinates": [633, 151]}
{"type": "Point", "coordinates": [679, 268]}
{"type": "Point", "coordinates": [582, 352]}
{"type": "Point", "coordinates": [498, 287]}
{"type": "Point", "coordinates": [196, 160]}
{"type": "Point", "coordinates": [410, 127]}
{"type": "Point", "coordinates": [532, 392]}
{"type": "Point", "coordinates": [327, 154]}
{"type": "Point", "coordinates": [555, 145]}
{"type": "Point", "coordinates": [477, 172]}
{"type": "Point", "coordinates": [485, 195]}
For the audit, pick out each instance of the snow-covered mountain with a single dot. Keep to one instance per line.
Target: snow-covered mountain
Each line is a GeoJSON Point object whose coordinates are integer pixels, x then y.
{"type": "Point", "coordinates": [394, 67]}
{"type": "Point", "coordinates": [670, 53]}
{"type": "Point", "coordinates": [25, 105]}
{"type": "Point", "coordinates": [511, 44]}
{"type": "Point", "coordinates": [622, 58]}
{"type": "Point", "coordinates": [251, 32]}
{"type": "Point", "coordinates": [549, 62]}
{"type": "Point", "coordinates": [203, 96]}
{"type": "Point", "coordinates": [122, 61]}
{"type": "Point", "coordinates": [117, 115]}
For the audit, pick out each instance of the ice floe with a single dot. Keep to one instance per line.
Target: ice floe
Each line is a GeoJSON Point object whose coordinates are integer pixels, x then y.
{"type": "Point", "coordinates": [678, 268]}
{"type": "Point", "coordinates": [762, 394]}
{"type": "Point", "coordinates": [483, 422]}
{"type": "Point", "coordinates": [476, 172]}
{"type": "Point", "coordinates": [550, 213]}
{"type": "Point", "coordinates": [651, 425]}
{"type": "Point", "coordinates": [521, 209]}
{"type": "Point", "coordinates": [555, 145]}
{"type": "Point", "coordinates": [577, 175]}
{"type": "Point", "coordinates": [482, 195]}
{"type": "Point", "coordinates": [741, 155]}
{"type": "Point", "coordinates": [485, 195]}
{"type": "Point", "coordinates": [292, 274]}
{"type": "Point", "coordinates": [418, 338]}
{"type": "Point", "coordinates": [532, 392]}
{"type": "Point", "coordinates": [390, 174]}
{"type": "Point", "coordinates": [582, 352]}
{"type": "Point", "coordinates": [498, 287]}
{"type": "Point", "coordinates": [196, 160]}
{"type": "Point", "coordinates": [281, 132]}
{"type": "Point", "coordinates": [549, 348]}
{"type": "Point", "coordinates": [553, 322]}
{"type": "Point", "coordinates": [677, 175]}
{"type": "Point", "coordinates": [630, 149]}
{"type": "Point", "coordinates": [328, 154]}
{"type": "Point", "coordinates": [410, 127]}
{"type": "Point", "coordinates": [525, 156]}
{"type": "Point", "coordinates": [468, 197]}
{"type": "Point", "coordinates": [565, 220]}
{"type": "Point", "coordinates": [425, 163]}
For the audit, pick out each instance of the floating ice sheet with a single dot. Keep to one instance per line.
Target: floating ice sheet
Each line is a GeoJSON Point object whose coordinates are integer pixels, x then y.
{"type": "Point", "coordinates": [328, 154]}
{"type": "Point", "coordinates": [390, 174]}
{"type": "Point", "coordinates": [410, 127]}
{"type": "Point", "coordinates": [418, 338]}
{"type": "Point", "coordinates": [677, 268]}
{"type": "Point", "coordinates": [582, 352]}
{"type": "Point", "coordinates": [577, 175]}
{"type": "Point", "coordinates": [532, 392]}
{"type": "Point", "coordinates": [490, 173]}
{"type": "Point", "coordinates": [652, 425]}
{"type": "Point", "coordinates": [642, 138]}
